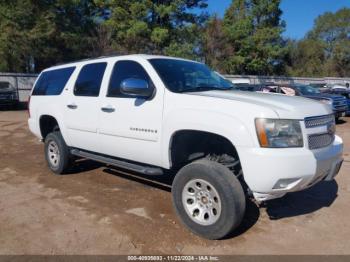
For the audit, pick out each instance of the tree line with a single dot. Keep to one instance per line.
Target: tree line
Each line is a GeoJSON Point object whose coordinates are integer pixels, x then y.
{"type": "Point", "coordinates": [36, 34]}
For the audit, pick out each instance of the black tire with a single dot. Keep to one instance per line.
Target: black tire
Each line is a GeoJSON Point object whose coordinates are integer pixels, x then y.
{"type": "Point", "coordinates": [226, 185]}
{"type": "Point", "coordinates": [64, 157]}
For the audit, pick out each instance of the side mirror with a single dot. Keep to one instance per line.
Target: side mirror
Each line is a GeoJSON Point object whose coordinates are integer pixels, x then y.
{"type": "Point", "coordinates": [136, 88]}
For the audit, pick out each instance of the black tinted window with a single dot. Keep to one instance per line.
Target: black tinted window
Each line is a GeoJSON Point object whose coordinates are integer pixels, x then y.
{"type": "Point", "coordinates": [52, 82]}
{"type": "Point", "coordinates": [89, 80]}
{"type": "Point", "coordinates": [123, 70]}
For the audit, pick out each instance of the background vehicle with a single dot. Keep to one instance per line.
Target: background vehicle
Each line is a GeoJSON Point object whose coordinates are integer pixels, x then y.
{"type": "Point", "coordinates": [340, 86]}
{"type": "Point", "coordinates": [153, 113]}
{"type": "Point", "coordinates": [8, 94]}
{"type": "Point", "coordinates": [322, 87]}
{"type": "Point", "coordinates": [241, 81]}
{"type": "Point", "coordinates": [345, 93]}
{"type": "Point", "coordinates": [337, 102]}
{"type": "Point", "coordinates": [250, 87]}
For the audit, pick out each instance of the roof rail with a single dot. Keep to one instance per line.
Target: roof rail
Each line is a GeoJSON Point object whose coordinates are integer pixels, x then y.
{"type": "Point", "coordinates": [91, 58]}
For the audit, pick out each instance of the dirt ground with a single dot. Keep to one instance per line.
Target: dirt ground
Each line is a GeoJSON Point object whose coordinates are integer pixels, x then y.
{"type": "Point", "coordinates": [99, 210]}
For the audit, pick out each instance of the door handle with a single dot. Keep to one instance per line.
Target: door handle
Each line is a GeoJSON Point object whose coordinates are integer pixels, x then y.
{"type": "Point", "coordinates": [108, 109]}
{"type": "Point", "coordinates": [72, 106]}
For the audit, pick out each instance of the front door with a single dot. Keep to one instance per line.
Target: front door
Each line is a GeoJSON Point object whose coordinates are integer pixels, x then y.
{"type": "Point", "coordinates": [131, 127]}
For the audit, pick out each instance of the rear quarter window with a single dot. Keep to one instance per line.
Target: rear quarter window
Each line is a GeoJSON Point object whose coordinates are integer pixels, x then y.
{"type": "Point", "coordinates": [51, 83]}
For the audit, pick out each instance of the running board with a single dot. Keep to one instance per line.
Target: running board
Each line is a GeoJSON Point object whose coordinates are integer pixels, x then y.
{"type": "Point", "coordinates": [146, 170]}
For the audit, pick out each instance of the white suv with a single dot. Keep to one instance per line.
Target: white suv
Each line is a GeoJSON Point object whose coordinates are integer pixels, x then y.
{"type": "Point", "coordinates": [153, 113]}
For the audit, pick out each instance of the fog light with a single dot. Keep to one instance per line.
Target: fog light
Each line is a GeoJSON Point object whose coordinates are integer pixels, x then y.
{"type": "Point", "coordinates": [286, 183]}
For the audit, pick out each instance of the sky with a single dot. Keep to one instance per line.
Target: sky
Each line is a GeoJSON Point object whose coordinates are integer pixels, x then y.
{"type": "Point", "coordinates": [298, 14]}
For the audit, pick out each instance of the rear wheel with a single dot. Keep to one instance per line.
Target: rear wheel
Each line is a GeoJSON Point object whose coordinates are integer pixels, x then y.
{"type": "Point", "coordinates": [57, 153]}
{"type": "Point", "coordinates": [208, 198]}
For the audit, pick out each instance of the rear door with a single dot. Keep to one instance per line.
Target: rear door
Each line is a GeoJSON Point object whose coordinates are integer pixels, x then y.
{"type": "Point", "coordinates": [130, 127]}
{"type": "Point", "coordinates": [82, 106]}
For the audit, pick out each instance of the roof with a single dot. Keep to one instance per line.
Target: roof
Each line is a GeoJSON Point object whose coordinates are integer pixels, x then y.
{"type": "Point", "coordinates": [114, 57]}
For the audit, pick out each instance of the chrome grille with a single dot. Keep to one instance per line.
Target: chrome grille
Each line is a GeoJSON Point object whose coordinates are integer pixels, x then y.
{"type": "Point", "coordinates": [324, 139]}
{"type": "Point", "coordinates": [319, 121]}
{"type": "Point", "coordinates": [320, 140]}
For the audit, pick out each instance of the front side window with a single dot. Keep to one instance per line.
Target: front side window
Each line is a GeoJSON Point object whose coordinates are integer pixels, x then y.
{"type": "Point", "coordinates": [123, 70]}
{"type": "Point", "coordinates": [187, 76]}
{"type": "Point", "coordinates": [51, 83]}
{"type": "Point", "coordinates": [89, 80]}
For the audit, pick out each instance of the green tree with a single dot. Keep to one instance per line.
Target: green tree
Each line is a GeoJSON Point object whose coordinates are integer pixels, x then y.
{"type": "Point", "coordinates": [340, 61]}
{"type": "Point", "coordinates": [306, 58]}
{"type": "Point", "coordinates": [156, 26]}
{"type": "Point", "coordinates": [333, 30]}
{"type": "Point", "coordinates": [325, 50]}
{"type": "Point", "coordinates": [253, 29]}
{"type": "Point", "coordinates": [15, 20]}
{"type": "Point", "coordinates": [44, 32]}
{"type": "Point", "coordinates": [215, 46]}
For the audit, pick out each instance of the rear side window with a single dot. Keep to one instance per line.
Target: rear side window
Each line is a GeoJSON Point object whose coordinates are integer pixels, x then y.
{"type": "Point", "coordinates": [89, 80]}
{"type": "Point", "coordinates": [123, 70]}
{"type": "Point", "coordinates": [51, 83]}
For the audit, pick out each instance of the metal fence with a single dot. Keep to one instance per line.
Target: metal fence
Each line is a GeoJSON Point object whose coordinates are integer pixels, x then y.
{"type": "Point", "coordinates": [24, 82]}
{"type": "Point", "coordinates": [290, 80]}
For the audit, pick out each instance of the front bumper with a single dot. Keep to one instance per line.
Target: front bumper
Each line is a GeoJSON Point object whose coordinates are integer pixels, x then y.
{"type": "Point", "coordinates": [271, 173]}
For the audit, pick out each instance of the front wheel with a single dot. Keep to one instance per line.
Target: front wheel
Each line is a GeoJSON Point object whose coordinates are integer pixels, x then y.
{"type": "Point", "coordinates": [208, 198]}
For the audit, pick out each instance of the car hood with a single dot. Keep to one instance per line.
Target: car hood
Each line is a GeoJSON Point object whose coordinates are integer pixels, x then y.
{"type": "Point", "coordinates": [284, 106]}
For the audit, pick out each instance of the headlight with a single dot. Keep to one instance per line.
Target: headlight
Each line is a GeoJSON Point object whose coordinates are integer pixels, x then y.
{"type": "Point", "coordinates": [278, 133]}
{"type": "Point", "coordinates": [326, 101]}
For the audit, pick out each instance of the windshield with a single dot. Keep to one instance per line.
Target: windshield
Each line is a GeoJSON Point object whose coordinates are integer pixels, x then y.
{"type": "Point", "coordinates": [308, 90]}
{"type": "Point", "coordinates": [186, 76]}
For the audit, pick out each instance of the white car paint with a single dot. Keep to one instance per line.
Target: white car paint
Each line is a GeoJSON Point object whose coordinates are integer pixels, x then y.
{"type": "Point", "coordinates": [230, 114]}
